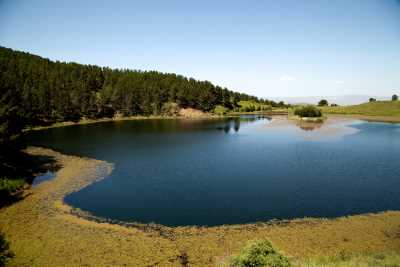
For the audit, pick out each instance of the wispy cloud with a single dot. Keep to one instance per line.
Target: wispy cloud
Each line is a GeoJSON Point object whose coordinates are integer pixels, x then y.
{"type": "Point", "coordinates": [339, 82]}
{"type": "Point", "coordinates": [286, 77]}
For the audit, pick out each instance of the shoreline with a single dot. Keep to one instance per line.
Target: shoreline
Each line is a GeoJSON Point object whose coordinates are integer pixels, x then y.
{"type": "Point", "coordinates": [43, 230]}
{"type": "Point", "coordinates": [388, 119]}
{"type": "Point", "coordinates": [369, 118]}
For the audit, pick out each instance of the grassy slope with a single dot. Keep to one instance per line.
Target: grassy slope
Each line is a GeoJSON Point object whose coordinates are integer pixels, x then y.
{"type": "Point", "coordinates": [379, 108]}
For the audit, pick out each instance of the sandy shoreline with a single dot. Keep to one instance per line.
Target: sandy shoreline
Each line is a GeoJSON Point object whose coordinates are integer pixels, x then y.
{"type": "Point", "coordinates": [43, 231]}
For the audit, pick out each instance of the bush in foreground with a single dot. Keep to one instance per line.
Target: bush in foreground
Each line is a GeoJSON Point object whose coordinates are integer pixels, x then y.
{"type": "Point", "coordinates": [260, 253]}
{"type": "Point", "coordinates": [308, 111]}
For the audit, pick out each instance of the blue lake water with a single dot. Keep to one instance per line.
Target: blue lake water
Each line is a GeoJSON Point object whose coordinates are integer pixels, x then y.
{"type": "Point", "coordinates": [47, 176]}
{"type": "Point", "coordinates": [230, 171]}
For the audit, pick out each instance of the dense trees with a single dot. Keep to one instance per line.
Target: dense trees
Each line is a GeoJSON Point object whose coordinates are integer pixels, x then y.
{"type": "Point", "coordinates": [395, 97]}
{"type": "Point", "coordinates": [323, 102]}
{"type": "Point", "coordinates": [35, 90]}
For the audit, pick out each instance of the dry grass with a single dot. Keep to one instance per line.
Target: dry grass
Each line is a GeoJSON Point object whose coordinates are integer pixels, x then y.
{"type": "Point", "coordinates": [387, 259]}
{"type": "Point", "coordinates": [43, 232]}
{"type": "Point", "coordinates": [191, 113]}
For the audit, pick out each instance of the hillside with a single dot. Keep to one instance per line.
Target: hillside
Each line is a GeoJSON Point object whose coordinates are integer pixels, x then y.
{"type": "Point", "coordinates": [37, 90]}
{"type": "Point", "coordinates": [378, 108]}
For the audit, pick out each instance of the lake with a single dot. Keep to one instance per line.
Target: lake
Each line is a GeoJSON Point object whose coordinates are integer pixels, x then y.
{"type": "Point", "coordinates": [232, 171]}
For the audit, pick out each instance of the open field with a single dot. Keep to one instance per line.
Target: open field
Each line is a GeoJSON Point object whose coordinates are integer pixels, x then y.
{"type": "Point", "coordinates": [43, 231]}
{"type": "Point", "coordinates": [378, 108]}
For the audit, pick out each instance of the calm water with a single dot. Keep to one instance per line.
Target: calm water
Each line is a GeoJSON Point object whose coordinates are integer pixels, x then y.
{"type": "Point", "coordinates": [177, 172]}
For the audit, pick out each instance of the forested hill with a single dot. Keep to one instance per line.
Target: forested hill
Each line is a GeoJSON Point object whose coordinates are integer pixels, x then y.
{"type": "Point", "coordinates": [48, 91]}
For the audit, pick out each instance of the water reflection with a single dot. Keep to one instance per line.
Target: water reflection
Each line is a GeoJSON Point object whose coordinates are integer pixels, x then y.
{"type": "Point", "coordinates": [233, 124]}
{"type": "Point", "coordinates": [189, 172]}
{"type": "Point", "coordinates": [309, 126]}
{"type": "Point", "coordinates": [47, 176]}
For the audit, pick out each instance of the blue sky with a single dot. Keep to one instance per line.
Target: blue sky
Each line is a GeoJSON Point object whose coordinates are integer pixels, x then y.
{"type": "Point", "coordinates": [265, 48]}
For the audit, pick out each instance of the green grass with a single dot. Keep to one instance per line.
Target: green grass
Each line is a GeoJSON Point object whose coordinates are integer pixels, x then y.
{"type": "Point", "coordinates": [250, 106]}
{"type": "Point", "coordinates": [220, 110]}
{"type": "Point", "coordinates": [378, 108]}
{"type": "Point", "coordinates": [9, 186]}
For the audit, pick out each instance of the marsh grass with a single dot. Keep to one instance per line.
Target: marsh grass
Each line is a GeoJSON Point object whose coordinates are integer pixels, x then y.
{"type": "Point", "coordinates": [42, 231]}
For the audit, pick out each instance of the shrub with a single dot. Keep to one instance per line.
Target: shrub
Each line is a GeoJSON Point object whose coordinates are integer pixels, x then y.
{"type": "Point", "coordinates": [8, 186]}
{"type": "Point", "coordinates": [308, 111]}
{"type": "Point", "coordinates": [5, 252]}
{"type": "Point", "coordinates": [260, 253]}
{"type": "Point", "coordinates": [170, 109]}
{"type": "Point", "coordinates": [395, 97]}
{"type": "Point", "coordinates": [220, 110]}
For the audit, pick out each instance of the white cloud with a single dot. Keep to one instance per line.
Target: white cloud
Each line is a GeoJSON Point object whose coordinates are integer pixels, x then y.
{"type": "Point", "coordinates": [339, 82]}
{"type": "Point", "coordinates": [286, 77]}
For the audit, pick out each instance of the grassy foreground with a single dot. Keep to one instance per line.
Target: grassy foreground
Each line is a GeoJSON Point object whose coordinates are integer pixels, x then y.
{"type": "Point", "coordinates": [43, 231]}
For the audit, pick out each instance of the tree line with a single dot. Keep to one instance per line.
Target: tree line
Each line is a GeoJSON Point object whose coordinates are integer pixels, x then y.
{"type": "Point", "coordinates": [35, 91]}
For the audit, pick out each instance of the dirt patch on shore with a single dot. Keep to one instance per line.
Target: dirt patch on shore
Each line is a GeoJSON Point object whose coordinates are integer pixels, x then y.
{"type": "Point", "coordinates": [190, 113]}
{"type": "Point", "coordinates": [43, 231]}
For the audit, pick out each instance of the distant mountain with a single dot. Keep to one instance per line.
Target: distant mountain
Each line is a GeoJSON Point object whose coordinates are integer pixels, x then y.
{"type": "Point", "coordinates": [340, 99]}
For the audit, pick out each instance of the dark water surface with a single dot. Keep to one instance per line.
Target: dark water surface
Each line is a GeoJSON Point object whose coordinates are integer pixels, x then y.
{"type": "Point", "coordinates": [230, 171]}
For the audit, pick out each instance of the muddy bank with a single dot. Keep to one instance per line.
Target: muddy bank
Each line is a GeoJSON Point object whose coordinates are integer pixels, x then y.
{"type": "Point", "coordinates": [43, 231]}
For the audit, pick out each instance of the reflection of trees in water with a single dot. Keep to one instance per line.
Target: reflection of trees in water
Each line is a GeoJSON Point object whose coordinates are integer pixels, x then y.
{"type": "Point", "coordinates": [251, 118]}
{"type": "Point", "coordinates": [309, 126]}
{"type": "Point", "coordinates": [231, 124]}
{"type": "Point", "coordinates": [234, 123]}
